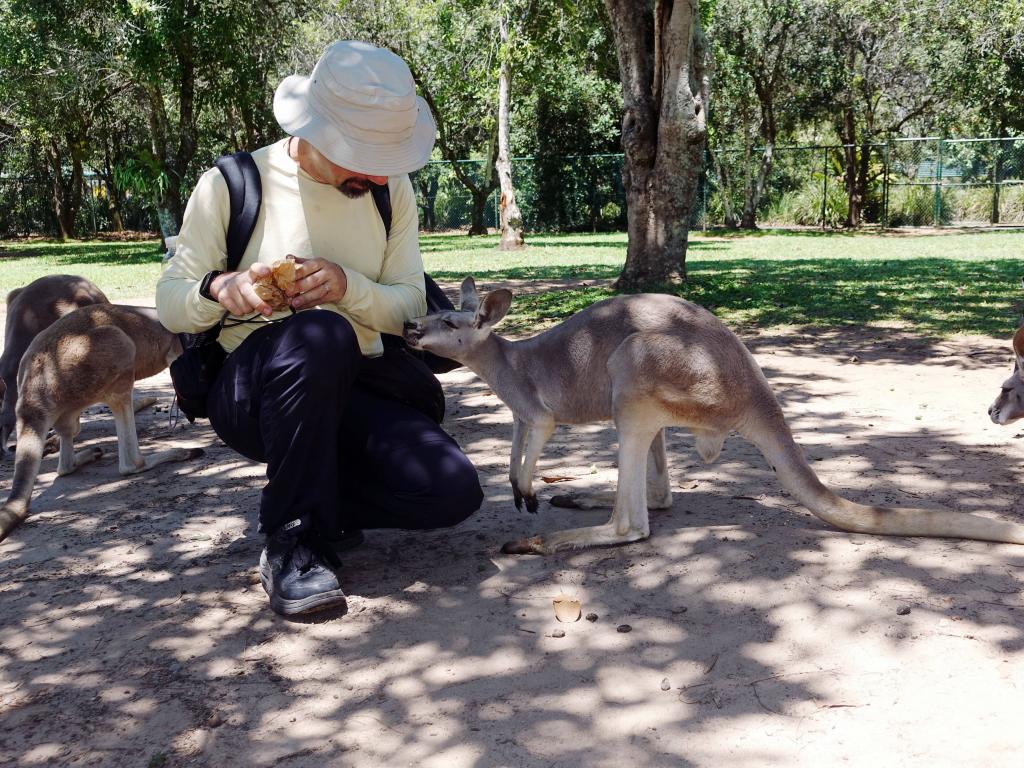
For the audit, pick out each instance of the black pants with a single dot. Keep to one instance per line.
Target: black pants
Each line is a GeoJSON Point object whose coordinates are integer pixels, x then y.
{"type": "Point", "coordinates": [338, 458]}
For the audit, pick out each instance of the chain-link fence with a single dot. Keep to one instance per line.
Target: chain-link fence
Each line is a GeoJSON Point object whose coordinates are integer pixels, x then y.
{"type": "Point", "coordinates": [900, 183]}
{"type": "Point", "coordinates": [559, 194]}
{"type": "Point", "coordinates": [27, 208]}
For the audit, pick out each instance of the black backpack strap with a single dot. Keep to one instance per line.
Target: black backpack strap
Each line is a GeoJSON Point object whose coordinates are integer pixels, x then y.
{"type": "Point", "coordinates": [245, 191]}
{"type": "Point", "coordinates": [382, 199]}
{"type": "Point", "coordinates": [437, 300]}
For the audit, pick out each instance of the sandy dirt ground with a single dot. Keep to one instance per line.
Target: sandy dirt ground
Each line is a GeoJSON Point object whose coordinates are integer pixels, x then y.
{"type": "Point", "coordinates": [134, 630]}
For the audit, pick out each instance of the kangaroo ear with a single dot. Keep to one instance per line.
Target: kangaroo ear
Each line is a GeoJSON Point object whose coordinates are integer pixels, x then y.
{"type": "Point", "coordinates": [493, 307]}
{"type": "Point", "coordinates": [470, 298]}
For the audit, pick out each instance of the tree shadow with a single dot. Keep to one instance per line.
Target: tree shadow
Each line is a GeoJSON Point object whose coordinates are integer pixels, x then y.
{"type": "Point", "coordinates": [137, 630]}
{"type": "Point", "coordinates": [60, 254]}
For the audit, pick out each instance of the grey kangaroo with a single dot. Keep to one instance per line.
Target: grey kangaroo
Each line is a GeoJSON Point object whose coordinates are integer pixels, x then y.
{"type": "Point", "coordinates": [29, 310]}
{"type": "Point", "coordinates": [648, 362]}
{"type": "Point", "coordinates": [1009, 406]}
{"type": "Point", "coordinates": [94, 354]}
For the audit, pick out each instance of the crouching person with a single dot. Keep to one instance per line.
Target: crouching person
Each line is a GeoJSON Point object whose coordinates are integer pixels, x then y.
{"type": "Point", "coordinates": [348, 426]}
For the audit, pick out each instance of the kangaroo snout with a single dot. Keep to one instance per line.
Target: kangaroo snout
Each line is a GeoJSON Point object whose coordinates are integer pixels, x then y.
{"type": "Point", "coordinates": [411, 332]}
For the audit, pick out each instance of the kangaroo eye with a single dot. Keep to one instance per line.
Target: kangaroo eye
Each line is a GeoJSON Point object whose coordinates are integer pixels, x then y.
{"type": "Point", "coordinates": [449, 323]}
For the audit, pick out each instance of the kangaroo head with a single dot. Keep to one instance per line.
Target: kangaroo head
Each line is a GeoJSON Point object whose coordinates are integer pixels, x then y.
{"type": "Point", "coordinates": [1009, 406]}
{"type": "Point", "coordinates": [456, 333]}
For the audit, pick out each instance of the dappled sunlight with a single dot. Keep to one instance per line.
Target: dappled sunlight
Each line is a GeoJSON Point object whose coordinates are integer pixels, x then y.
{"type": "Point", "coordinates": [134, 622]}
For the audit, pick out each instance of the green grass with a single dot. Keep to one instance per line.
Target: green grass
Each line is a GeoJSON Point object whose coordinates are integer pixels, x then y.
{"type": "Point", "coordinates": [939, 285]}
{"type": "Point", "coordinates": [121, 270]}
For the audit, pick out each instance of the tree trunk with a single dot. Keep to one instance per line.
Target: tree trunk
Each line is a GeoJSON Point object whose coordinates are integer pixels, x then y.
{"type": "Point", "coordinates": [67, 192]}
{"type": "Point", "coordinates": [661, 64]}
{"type": "Point", "coordinates": [481, 197]}
{"type": "Point", "coordinates": [113, 194]}
{"type": "Point", "coordinates": [428, 196]}
{"type": "Point", "coordinates": [766, 100]}
{"type": "Point", "coordinates": [755, 191]}
{"type": "Point", "coordinates": [848, 134]}
{"type": "Point", "coordinates": [511, 219]}
{"type": "Point", "coordinates": [724, 190]}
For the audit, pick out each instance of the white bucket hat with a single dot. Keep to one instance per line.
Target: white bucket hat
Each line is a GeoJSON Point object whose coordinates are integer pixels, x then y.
{"type": "Point", "coordinates": [359, 108]}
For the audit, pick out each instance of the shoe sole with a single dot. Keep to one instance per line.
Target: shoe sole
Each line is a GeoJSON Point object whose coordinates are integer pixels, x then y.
{"type": "Point", "coordinates": [323, 601]}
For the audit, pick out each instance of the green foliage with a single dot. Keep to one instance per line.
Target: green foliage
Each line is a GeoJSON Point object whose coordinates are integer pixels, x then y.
{"type": "Point", "coordinates": [802, 206]}
{"type": "Point", "coordinates": [914, 206]}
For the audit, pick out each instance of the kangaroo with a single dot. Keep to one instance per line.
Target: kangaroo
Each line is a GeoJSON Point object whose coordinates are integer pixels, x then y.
{"type": "Point", "coordinates": [647, 362]}
{"type": "Point", "coordinates": [94, 354]}
{"type": "Point", "coordinates": [1009, 406]}
{"type": "Point", "coordinates": [29, 310]}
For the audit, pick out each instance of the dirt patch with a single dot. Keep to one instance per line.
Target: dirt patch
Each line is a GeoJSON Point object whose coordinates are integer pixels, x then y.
{"type": "Point", "coordinates": [134, 630]}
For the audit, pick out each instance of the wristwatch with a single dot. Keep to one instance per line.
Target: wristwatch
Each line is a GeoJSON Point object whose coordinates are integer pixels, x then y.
{"type": "Point", "coordinates": [204, 287]}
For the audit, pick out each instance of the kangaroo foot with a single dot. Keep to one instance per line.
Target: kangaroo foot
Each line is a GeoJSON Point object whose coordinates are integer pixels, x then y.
{"type": "Point", "coordinates": [531, 546]}
{"type": "Point", "coordinates": [142, 402]}
{"type": "Point", "coordinates": [130, 467]}
{"type": "Point", "coordinates": [79, 459]}
{"type": "Point", "coordinates": [576, 500]}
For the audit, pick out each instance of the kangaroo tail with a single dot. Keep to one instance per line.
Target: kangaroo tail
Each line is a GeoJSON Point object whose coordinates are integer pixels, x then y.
{"type": "Point", "coordinates": [27, 458]}
{"type": "Point", "coordinates": [773, 438]}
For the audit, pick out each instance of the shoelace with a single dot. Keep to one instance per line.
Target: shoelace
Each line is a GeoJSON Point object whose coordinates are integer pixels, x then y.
{"type": "Point", "coordinates": [308, 554]}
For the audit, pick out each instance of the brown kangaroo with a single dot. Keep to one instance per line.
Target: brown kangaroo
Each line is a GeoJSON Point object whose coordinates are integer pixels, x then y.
{"type": "Point", "coordinates": [29, 310]}
{"type": "Point", "coordinates": [648, 362]}
{"type": "Point", "coordinates": [92, 355]}
{"type": "Point", "coordinates": [1009, 405]}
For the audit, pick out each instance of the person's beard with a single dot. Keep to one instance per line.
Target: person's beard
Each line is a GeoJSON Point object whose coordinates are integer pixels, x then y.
{"type": "Point", "coordinates": [354, 187]}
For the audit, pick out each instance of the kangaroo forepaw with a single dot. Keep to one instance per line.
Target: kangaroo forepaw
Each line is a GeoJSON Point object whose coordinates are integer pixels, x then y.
{"type": "Point", "coordinates": [531, 504]}
{"type": "Point", "coordinates": [532, 546]}
{"type": "Point", "coordinates": [517, 497]}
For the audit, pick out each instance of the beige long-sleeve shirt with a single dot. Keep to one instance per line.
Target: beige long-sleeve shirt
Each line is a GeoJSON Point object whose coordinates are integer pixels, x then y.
{"type": "Point", "coordinates": [303, 217]}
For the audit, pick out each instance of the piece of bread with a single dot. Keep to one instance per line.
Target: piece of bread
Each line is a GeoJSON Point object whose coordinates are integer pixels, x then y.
{"type": "Point", "coordinates": [273, 288]}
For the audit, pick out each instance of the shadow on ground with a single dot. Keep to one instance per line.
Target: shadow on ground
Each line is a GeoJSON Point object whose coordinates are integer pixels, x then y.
{"type": "Point", "coordinates": [133, 629]}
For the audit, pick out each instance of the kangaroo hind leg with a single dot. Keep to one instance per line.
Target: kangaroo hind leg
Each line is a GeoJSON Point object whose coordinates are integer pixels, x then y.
{"type": "Point", "coordinates": [130, 459]}
{"type": "Point", "coordinates": [629, 518]}
{"type": "Point", "coordinates": [659, 489]}
{"type": "Point", "coordinates": [67, 428]}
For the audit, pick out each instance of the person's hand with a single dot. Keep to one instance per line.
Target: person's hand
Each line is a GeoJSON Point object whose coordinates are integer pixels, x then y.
{"type": "Point", "coordinates": [318, 281]}
{"type": "Point", "coordinates": [234, 291]}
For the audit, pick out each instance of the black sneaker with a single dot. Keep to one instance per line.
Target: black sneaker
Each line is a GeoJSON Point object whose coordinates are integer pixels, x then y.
{"type": "Point", "coordinates": [299, 578]}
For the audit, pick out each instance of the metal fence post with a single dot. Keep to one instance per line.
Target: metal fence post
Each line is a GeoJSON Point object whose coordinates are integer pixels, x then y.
{"type": "Point", "coordinates": [824, 186]}
{"type": "Point", "coordinates": [885, 184]}
{"type": "Point", "coordinates": [937, 213]}
{"type": "Point", "coordinates": [92, 200]}
{"type": "Point", "coordinates": [704, 195]}
{"type": "Point", "coordinates": [994, 213]}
